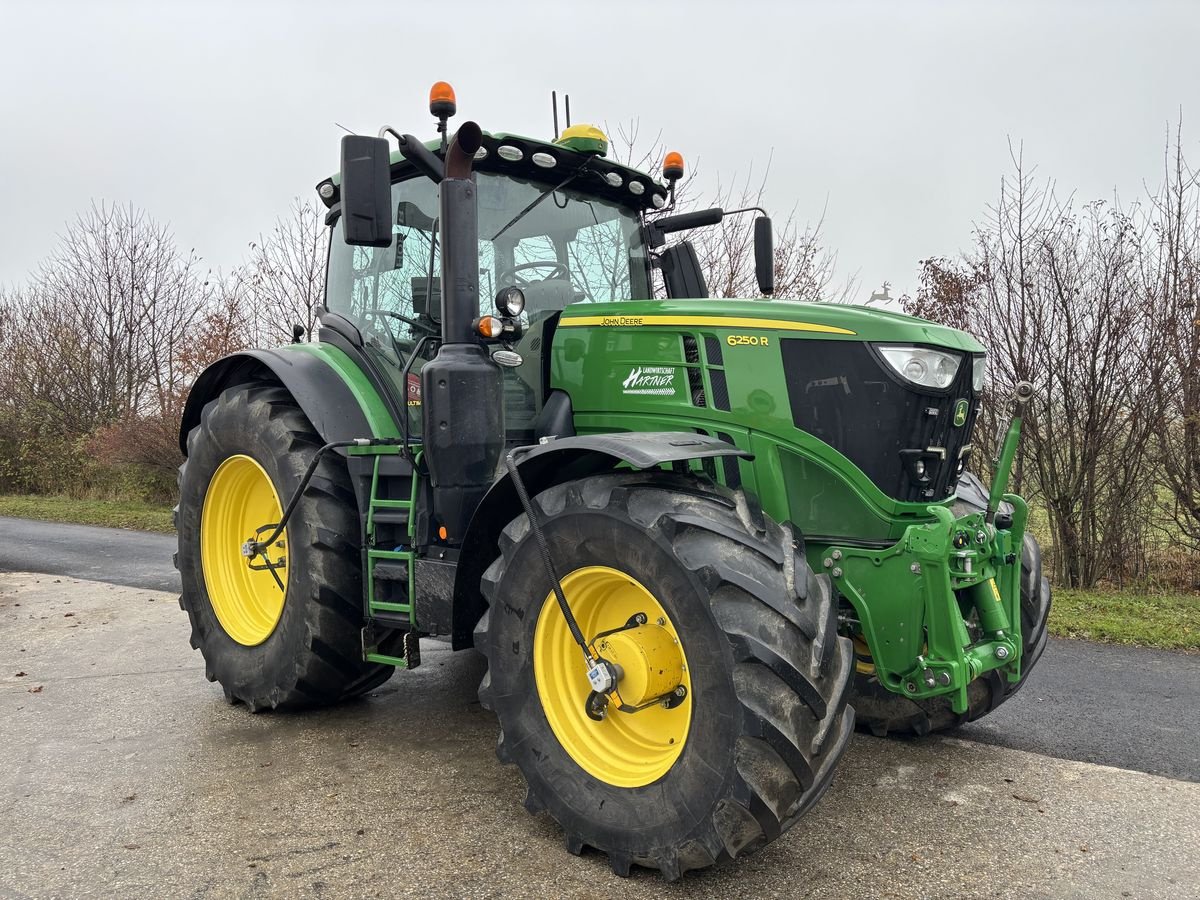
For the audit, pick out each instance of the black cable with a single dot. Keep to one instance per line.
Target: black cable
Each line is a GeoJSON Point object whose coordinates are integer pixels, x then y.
{"type": "Point", "coordinates": [510, 463]}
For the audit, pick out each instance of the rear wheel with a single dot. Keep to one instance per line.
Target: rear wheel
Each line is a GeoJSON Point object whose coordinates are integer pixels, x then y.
{"type": "Point", "coordinates": [739, 637]}
{"type": "Point", "coordinates": [882, 712]}
{"type": "Point", "coordinates": [281, 629]}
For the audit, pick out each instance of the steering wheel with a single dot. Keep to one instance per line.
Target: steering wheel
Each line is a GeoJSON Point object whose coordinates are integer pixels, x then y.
{"type": "Point", "coordinates": [558, 270]}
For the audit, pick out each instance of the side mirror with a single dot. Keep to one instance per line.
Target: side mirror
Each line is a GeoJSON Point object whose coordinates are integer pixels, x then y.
{"type": "Point", "coordinates": [684, 221]}
{"type": "Point", "coordinates": [764, 255]}
{"type": "Point", "coordinates": [682, 274]}
{"type": "Point", "coordinates": [366, 191]}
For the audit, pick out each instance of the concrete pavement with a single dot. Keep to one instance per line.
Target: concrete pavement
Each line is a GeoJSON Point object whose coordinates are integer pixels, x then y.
{"type": "Point", "coordinates": [123, 773]}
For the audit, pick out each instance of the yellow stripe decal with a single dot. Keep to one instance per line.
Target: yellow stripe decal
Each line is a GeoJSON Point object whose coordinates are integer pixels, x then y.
{"type": "Point", "coordinates": [701, 321]}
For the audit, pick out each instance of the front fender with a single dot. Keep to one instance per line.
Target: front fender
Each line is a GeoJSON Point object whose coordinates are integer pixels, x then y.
{"type": "Point", "coordinates": [330, 389]}
{"type": "Point", "coordinates": [544, 466]}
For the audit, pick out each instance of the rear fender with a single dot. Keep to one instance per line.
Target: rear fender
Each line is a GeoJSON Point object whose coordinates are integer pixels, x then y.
{"type": "Point", "coordinates": [325, 383]}
{"type": "Point", "coordinates": [546, 465]}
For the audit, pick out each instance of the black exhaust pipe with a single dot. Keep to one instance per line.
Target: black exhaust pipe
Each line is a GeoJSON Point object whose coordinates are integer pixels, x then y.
{"type": "Point", "coordinates": [460, 238]}
{"type": "Point", "coordinates": [462, 388]}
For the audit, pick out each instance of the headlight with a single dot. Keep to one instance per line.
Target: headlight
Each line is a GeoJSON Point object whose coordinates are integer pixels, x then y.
{"type": "Point", "coordinates": [510, 301]}
{"type": "Point", "coordinates": [921, 365]}
{"type": "Point", "coordinates": [978, 373]}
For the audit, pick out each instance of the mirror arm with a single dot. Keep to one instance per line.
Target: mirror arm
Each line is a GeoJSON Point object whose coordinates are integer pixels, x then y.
{"type": "Point", "coordinates": [416, 153]}
{"type": "Point", "coordinates": [746, 209]}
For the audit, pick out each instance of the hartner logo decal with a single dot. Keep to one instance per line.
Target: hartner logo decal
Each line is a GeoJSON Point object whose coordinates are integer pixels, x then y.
{"type": "Point", "coordinates": [657, 380]}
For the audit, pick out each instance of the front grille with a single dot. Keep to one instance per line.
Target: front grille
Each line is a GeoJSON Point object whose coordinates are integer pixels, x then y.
{"type": "Point", "coordinates": [712, 348]}
{"type": "Point", "coordinates": [691, 355]}
{"type": "Point", "coordinates": [842, 393]}
{"type": "Point", "coordinates": [720, 388]}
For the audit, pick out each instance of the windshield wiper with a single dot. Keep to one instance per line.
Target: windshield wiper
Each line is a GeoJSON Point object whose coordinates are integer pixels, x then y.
{"type": "Point", "coordinates": [542, 196]}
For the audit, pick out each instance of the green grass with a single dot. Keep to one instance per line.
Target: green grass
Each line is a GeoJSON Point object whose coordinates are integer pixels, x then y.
{"type": "Point", "coordinates": [1167, 621]}
{"type": "Point", "coordinates": [112, 513]}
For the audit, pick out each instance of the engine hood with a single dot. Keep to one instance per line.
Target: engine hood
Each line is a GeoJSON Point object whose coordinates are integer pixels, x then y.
{"type": "Point", "coordinates": [827, 320]}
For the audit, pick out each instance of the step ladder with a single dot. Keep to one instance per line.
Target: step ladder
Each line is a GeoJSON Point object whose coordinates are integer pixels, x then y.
{"type": "Point", "coordinates": [390, 636]}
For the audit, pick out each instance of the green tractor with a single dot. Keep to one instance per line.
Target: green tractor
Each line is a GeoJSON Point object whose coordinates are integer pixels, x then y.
{"type": "Point", "coordinates": [694, 538]}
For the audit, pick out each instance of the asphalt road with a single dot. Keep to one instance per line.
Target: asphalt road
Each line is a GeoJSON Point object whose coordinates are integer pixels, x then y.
{"type": "Point", "coordinates": [124, 773]}
{"type": "Point", "coordinates": [111, 555]}
{"type": "Point", "coordinates": [1121, 706]}
{"type": "Point", "coordinates": [1127, 707]}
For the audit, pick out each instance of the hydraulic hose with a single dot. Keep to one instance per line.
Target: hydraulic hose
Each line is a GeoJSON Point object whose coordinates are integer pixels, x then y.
{"type": "Point", "coordinates": [510, 463]}
{"type": "Point", "coordinates": [252, 548]}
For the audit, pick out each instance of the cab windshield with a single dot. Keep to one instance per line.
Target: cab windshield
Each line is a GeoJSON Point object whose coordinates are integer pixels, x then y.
{"type": "Point", "coordinates": [560, 246]}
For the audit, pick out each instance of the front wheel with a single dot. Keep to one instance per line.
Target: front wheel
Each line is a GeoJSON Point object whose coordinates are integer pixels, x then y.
{"type": "Point", "coordinates": [724, 636]}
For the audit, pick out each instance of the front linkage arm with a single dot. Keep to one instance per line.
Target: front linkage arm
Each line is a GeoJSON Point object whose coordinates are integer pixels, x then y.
{"type": "Point", "coordinates": [956, 566]}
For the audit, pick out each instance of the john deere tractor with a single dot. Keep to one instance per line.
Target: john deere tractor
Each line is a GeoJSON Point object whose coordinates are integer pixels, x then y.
{"type": "Point", "coordinates": [692, 537]}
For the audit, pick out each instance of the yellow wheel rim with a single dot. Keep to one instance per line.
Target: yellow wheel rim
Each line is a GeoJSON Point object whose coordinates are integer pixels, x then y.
{"type": "Point", "coordinates": [247, 595]}
{"type": "Point", "coordinates": [623, 749]}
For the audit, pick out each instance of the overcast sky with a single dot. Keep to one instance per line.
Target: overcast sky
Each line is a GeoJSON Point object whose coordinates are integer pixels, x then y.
{"type": "Point", "coordinates": [892, 117]}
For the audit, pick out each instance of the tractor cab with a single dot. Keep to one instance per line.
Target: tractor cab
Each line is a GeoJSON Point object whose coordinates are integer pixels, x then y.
{"type": "Point", "coordinates": [556, 221]}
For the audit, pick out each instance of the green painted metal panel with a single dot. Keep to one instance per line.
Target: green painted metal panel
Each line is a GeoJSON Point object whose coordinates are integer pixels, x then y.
{"type": "Point", "coordinates": [858, 323]}
{"type": "Point", "coordinates": [630, 372]}
{"type": "Point", "coordinates": [368, 398]}
{"type": "Point", "coordinates": [628, 367]}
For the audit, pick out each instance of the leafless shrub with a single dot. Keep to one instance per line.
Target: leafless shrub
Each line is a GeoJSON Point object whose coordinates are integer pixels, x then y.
{"type": "Point", "coordinates": [1171, 293]}
{"type": "Point", "coordinates": [96, 338]}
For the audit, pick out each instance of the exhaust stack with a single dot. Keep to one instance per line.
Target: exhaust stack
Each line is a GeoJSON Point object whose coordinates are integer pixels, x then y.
{"type": "Point", "coordinates": [461, 388]}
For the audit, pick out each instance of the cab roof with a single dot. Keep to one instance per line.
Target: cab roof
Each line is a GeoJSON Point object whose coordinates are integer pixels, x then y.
{"type": "Point", "coordinates": [543, 161]}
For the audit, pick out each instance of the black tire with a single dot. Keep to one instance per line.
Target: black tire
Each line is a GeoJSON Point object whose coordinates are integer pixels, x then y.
{"type": "Point", "coordinates": [882, 712]}
{"type": "Point", "coordinates": [314, 655]}
{"type": "Point", "coordinates": [755, 647]}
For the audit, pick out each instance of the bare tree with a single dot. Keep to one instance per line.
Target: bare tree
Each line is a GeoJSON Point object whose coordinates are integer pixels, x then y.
{"type": "Point", "coordinates": [284, 278]}
{"type": "Point", "coordinates": [1053, 294]}
{"type": "Point", "coordinates": [106, 314]}
{"type": "Point", "coordinates": [94, 344]}
{"type": "Point", "coordinates": [804, 268]}
{"type": "Point", "coordinates": [1171, 291]}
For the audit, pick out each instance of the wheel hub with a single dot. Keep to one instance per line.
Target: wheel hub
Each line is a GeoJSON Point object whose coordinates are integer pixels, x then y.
{"type": "Point", "coordinates": [632, 735]}
{"type": "Point", "coordinates": [648, 661]}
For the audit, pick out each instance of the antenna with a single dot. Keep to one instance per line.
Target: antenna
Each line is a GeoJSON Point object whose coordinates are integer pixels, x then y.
{"type": "Point", "coordinates": [554, 105]}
